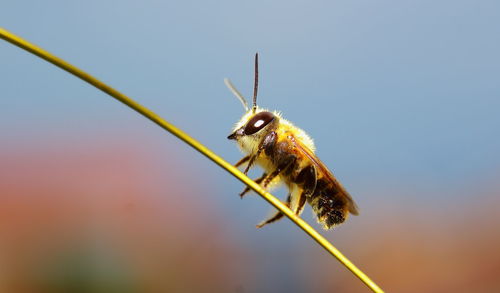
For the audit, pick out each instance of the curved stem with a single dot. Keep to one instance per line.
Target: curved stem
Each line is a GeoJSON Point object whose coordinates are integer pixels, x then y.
{"type": "Point", "coordinates": [23, 44]}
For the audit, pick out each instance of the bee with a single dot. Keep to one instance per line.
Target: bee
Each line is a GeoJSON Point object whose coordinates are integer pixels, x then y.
{"type": "Point", "coordinates": [286, 153]}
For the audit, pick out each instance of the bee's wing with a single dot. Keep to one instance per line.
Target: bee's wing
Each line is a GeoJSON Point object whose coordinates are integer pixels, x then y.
{"type": "Point", "coordinates": [323, 171]}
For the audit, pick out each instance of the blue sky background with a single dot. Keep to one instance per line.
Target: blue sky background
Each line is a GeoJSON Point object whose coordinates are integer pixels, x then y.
{"type": "Point", "coordinates": [401, 97]}
{"type": "Point", "coordinates": [388, 90]}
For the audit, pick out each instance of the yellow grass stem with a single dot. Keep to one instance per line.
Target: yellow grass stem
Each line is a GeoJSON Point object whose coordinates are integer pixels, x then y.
{"type": "Point", "coordinates": [23, 44]}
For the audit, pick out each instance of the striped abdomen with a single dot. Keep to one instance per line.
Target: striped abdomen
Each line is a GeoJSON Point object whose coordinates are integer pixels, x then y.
{"type": "Point", "coordinates": [331, 204]}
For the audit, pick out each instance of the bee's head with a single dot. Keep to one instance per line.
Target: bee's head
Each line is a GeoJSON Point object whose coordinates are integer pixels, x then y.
{"type": "Point", "coordinates": [253, 127]}
{"type": "Point", "coordinates": [252, 124]}
{"type": "Point", "coordinates": [256, 122]}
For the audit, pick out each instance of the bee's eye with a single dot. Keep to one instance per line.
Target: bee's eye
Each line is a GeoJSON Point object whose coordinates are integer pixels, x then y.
{"type": "Point", "coordinates": [258, 122]}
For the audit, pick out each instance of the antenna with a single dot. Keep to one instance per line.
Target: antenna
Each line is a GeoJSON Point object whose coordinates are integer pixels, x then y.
{"type": "Point", "coordinates": [235, 92]}
{"type": "Point", "coordinates": [256, 83]}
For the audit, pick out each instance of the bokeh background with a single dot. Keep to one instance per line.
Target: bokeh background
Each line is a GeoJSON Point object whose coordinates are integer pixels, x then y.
{"type": "Point", "coordinates": [401, 97]}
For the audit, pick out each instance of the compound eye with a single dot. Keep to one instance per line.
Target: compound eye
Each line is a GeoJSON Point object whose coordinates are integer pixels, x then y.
{"type": "Point", "coordinates": [258, 122]}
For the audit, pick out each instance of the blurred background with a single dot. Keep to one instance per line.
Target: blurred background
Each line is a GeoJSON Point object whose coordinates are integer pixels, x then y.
{"type": "Point", "coordinates": [401, 97]}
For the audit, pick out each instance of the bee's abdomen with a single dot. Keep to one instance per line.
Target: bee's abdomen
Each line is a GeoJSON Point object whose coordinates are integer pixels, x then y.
{"type": "Point", "coordinates": [328, 203]}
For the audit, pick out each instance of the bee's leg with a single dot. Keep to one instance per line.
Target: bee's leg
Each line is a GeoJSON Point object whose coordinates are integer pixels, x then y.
{"type": "Point", "coordinates": [276, 172]}
{"type": "Point", "coordinates": [250, 162]}
{"type": "Point", "coordinates": [276, 216]}
{"type": "Point", "coordinates": [301, 204]}
{"type": "Point", "coordinates": [243, 160]}
{"type": "Point", "coordinates": [267, 144]}
{"type": "Point", "coordinates": [258, 180]}
{"type": "Point", "coordinates": [266, 178]}
{"type": "Point", "coordinates": [269, 178]}
{"type": "Point", "coordinates": [308, 178]}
